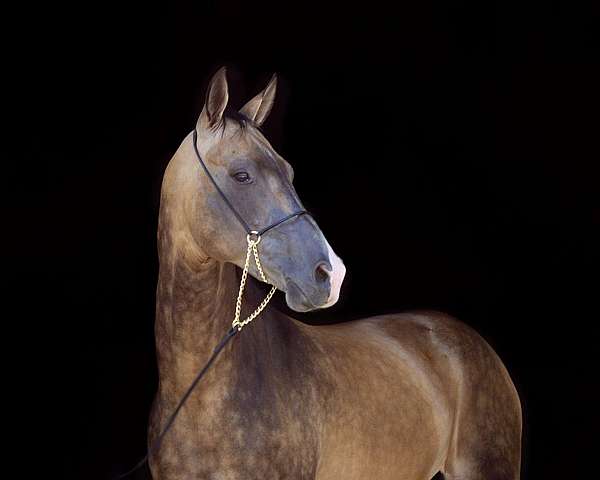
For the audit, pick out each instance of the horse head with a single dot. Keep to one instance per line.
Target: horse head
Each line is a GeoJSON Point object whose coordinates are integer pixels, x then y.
{"type": "Point", "coordinates": [258, 183]}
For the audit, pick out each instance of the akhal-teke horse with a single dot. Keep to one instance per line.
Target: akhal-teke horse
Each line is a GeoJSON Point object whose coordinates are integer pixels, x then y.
{"type": "Point", "coordinates": [390, 397]}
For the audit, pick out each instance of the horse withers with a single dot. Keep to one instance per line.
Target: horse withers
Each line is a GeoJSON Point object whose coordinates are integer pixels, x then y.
{"type": "Point", "coordinates": [400, 396]}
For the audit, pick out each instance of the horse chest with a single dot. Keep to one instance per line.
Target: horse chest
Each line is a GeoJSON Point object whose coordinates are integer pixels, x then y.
{"type": "Point", "coordinates": [240, 435]}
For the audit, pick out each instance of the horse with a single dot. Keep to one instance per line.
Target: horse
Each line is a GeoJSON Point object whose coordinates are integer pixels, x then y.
{"type": "Point", "coordinates": [399, 396]}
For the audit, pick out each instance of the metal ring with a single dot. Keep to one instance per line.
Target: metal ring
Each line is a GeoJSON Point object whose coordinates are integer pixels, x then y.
{"type": "Point", "coordinates": [253, 237]}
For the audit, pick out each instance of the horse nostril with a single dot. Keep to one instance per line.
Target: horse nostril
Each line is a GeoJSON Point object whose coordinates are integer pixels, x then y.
{"type": "Point", "coordinates": [322, 272]}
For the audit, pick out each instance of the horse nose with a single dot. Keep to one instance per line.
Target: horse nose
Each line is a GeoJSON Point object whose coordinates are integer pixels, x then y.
{"type": "Point", "coordinates": [322, 272]}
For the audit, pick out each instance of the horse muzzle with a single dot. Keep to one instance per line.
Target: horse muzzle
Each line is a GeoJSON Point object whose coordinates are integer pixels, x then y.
{"type": "Point", "coordinates": [322, 287]}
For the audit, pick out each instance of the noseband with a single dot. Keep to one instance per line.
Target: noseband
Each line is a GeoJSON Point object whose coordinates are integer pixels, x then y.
{"type": "Point", "coordinates": [253, 238]}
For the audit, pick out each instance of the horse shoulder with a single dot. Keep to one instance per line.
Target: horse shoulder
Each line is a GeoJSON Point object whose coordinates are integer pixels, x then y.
{"type": "Point", "coordinates": [390, 395]}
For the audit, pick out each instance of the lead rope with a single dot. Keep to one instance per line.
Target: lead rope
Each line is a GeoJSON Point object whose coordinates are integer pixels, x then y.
{"type": "Point", "coordinates": [253, 239]}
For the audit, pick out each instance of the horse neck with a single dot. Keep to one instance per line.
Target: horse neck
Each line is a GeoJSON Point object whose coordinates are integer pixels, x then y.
{"type": "Point", "coordinates": [195, 304]}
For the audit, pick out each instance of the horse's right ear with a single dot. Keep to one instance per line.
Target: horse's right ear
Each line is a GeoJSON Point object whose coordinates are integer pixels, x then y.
{"type": "Point", "coordinates": [216, 100]}
{"type": "Point", "coordinates": [257, 110]}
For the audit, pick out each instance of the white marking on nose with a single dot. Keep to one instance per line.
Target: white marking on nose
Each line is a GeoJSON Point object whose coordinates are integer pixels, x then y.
{"type": "Point", "coordinates": [336, 276]}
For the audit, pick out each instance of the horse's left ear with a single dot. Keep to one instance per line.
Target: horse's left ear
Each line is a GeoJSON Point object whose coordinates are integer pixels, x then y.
{"type": "Point", "coordinates": [259, 107]}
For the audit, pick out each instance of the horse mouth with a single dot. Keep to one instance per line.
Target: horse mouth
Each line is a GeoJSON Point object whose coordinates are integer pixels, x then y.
{"type": "Point", "coordinates": [296, 299]}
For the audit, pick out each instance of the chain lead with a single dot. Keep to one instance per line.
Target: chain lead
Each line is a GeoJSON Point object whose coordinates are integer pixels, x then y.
{"type": "Point", "coordinates": [253, 239]}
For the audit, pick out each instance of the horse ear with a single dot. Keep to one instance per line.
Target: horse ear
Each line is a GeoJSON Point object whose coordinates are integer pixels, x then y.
{"type": "Point", "coordinates": [259, 107]}
{"type": "Point", "coordinates": [216, 100]}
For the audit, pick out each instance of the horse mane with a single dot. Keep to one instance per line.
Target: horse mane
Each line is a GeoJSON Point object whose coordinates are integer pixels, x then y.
{"type": "Point", "coordinates": [233, 115]}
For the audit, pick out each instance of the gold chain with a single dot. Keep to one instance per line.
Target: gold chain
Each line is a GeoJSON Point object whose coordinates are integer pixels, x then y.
{"type": "Point", "coordinates": [253, 239]}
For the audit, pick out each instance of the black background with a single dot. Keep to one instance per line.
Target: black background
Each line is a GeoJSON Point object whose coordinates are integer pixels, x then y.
{"type": "Point", "coordinates": [447, 149]}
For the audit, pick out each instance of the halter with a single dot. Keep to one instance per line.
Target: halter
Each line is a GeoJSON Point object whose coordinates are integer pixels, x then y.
{"type": "Point", "coordinates": [253, 238]}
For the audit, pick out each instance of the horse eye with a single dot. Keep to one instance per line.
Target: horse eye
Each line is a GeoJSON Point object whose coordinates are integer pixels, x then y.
{"type": "Point", "coordinates": [242, 177]}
